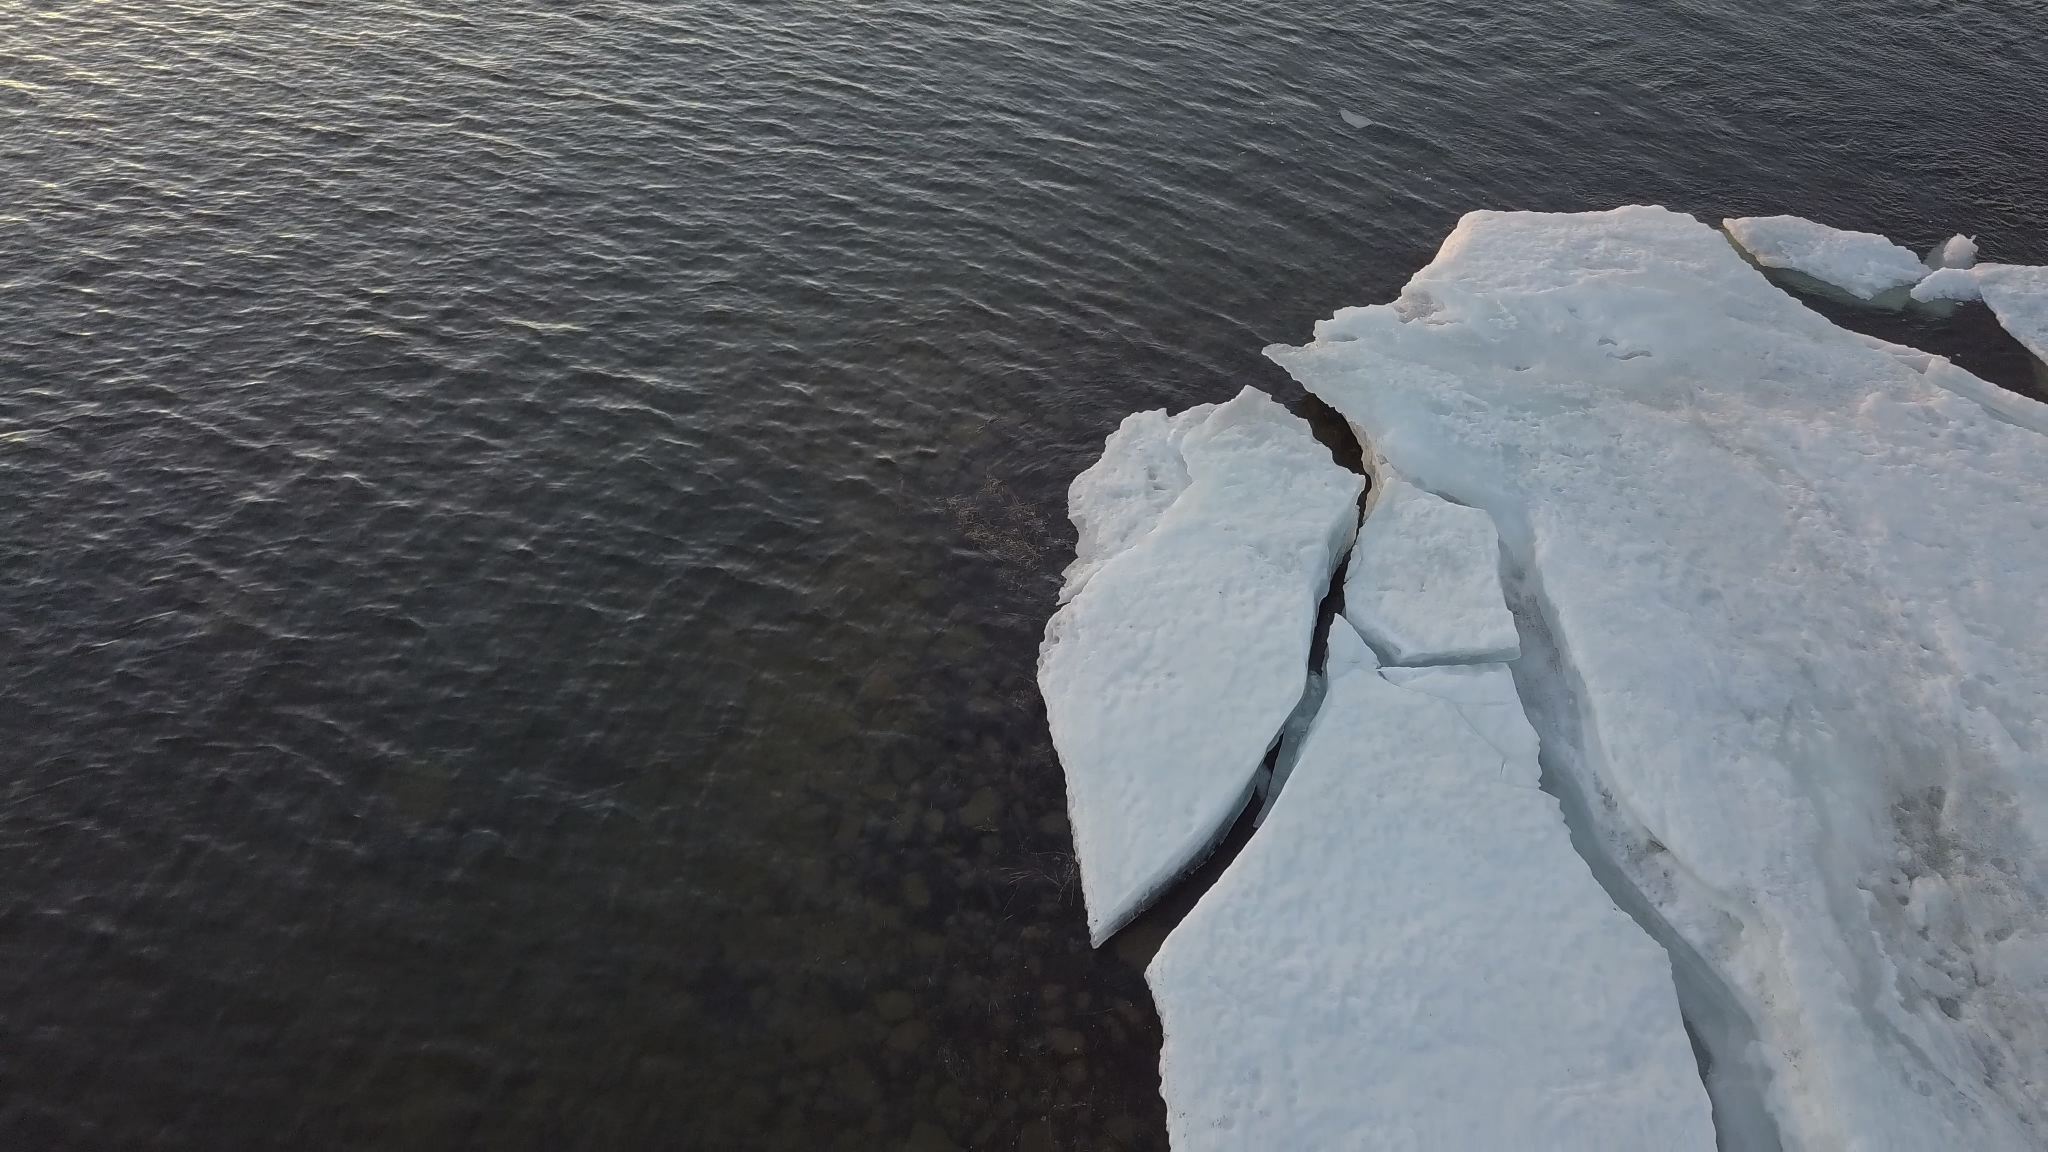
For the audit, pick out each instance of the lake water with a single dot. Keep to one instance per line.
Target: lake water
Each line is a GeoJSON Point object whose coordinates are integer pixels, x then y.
{"type": "Point", "coordinates": [524, 527]}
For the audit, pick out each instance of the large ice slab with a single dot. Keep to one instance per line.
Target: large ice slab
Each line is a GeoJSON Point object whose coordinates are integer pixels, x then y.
{"type": "Point", "coordinates": [1861, 263]}
{"type": "Point", "coordinates": [1424, 580]}
{"type": "Point", "coordinates": [2018, 296]}
{"type": "Point", "coordinates": [1794, 581]}
{"type": "Point", "coordinates": [1409, 954]}
{"type": "Point", "coordinates": [1207, 542]}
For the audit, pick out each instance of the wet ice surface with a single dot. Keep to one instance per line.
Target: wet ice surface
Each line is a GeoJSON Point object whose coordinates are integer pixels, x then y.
{"type": "Point", "coordinates": [1863, 264]}
{"type": "Point", "coordinates": [2019, 298]}
{"type": "Point", "coordinates": [1791, 573]}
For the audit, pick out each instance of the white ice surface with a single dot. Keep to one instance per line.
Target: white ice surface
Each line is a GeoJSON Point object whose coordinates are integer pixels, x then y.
{"type": "Point", "coordinates": [1946, 284]}
{"type": "Point", "coordinates": [1795, 581]}
{"type": "Point", "coordinates": [2018, 296]}
{"type": "Point", "coordinates": [1861, 263]}
{"type": "Point", "coordinates": [1409, 954]}
{"type": "Point", "coordinates": [1954, 252]}
{"type": "Point", "coordinates": [1423, 585]}
{"type": "Point", "coordinates": [1484, 694]}
{"type": "Point", "coordinates": [1184, 644]}
{"type": "Point", "coordinates": [1121, 497]}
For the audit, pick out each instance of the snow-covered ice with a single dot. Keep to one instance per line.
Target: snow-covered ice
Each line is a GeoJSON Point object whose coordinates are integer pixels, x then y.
{"type": "Point", "coordinates": [1121, 497]}
{"type": "Point", "coordinates": [2018, 296]}
{"type": "Point", "coordinates": [1423, 585]}
{"type": "Point", "coordinates": [1409, 954]}
{"type": "Point", "coordinates": [1484, 694]}
{"type": "Point", "coordinates": [1863, 264]}
{"type": "Point", "coordinates": [1207, 541]}
{"type": "Point", "coordinates": [1946, 284]}
{"type": "Point", "coordinates": [1954, 252]}
{"type": "Point", "coordinates": [1793, 579]}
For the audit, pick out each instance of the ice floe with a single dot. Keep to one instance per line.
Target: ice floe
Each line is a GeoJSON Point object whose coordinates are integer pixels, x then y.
{"type": "Point", "coordinates": [1207, 542]}
{"type": "Point", "coordinates": [1423, 585]}
{"type": "Point", "coordinates": [1954, 252]}
{"type": "Point", "coordinates": [1863, 264]}
{"type": "Point", "coordinates": [2018, 296]}
{"type": "Point", "coordinates": [1121, 497]}
{"type": "Point", "coordinates": [1946, 284]}
{"type": "Point", "coordinates": [1793, 582]}
{"type": "Point", "coordinates": [1409, 954]}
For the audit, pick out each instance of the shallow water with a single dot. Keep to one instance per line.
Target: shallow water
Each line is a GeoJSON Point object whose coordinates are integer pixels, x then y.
{"type": "Point", "coordinates": [526, 527]}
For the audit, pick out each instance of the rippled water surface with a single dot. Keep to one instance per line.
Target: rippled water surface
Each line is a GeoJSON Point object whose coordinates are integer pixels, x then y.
{"type": "Point", "coordinates": [524, 527]}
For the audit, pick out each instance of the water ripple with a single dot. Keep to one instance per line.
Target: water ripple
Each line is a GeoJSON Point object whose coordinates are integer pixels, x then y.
{"type": "Point", "coordinates": [526, 526]}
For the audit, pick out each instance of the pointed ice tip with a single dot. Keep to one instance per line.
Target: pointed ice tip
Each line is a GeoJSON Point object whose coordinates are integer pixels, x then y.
{"type": "Point", "coordinates": [1348, 650]}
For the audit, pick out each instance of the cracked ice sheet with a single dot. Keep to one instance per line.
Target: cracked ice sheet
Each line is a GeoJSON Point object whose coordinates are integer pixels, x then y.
{"type": "Point", "coordinates": [1410, 955]}
{"type": "Point", "coordinates": [1863, 264]}
{"type": "Point", "coordinates": [2018, 295]}
{"type": "Point", "coordinates": [1207, 543]}
{"type": "Point", "coordinates": [1424, 581]}
{"type": "Point", "coordinates": [1796, 584]}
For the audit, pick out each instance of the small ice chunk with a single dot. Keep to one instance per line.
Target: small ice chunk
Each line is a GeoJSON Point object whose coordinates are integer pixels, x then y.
{"type": "Point", "coordinates": [1424, 582]}
{"type": "Point", "coordinates": [1955, 252]}
{"type": "Point", "coordinates": [1409, 954]}
{"type": "Point", "coordinates": [1956, 283]}
{"type": "Point", "coordinates": [1354, 119]}
{"type": "Point", "coordinates": [1169, 671]}
{"type": "Point", "coordinates": [1863, 264]}
{"type": "Point", "coordinates": [2018, 296]}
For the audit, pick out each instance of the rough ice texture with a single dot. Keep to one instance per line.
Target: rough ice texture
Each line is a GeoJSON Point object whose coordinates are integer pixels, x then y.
{"type": "Point", "coordinates": [1946, 284]}
{"type": "Point", "coordinates": [1863, 264]}
{"type": "Point", "coordinates": [1121, 497]}
{"type": "Point", "coordinates": [1794, 578]}
{"type": "Point", "coordinates": [1423, 585]}
{"type": "Point", "coordinates": [1409, 954]}
{"type": "Point", "coordinates": [1954, 252]}
{"type": "Point", "coordinates": [1207, 542]}
{"type": "Point", "coordinates": [2018, 296]}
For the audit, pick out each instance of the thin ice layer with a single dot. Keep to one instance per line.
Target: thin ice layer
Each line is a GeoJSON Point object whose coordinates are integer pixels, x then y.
{"type": "Point", "coordinates": [1424, 581]}
{"type": "Point", "coordinates": [1794, 579]}
{"type": "Point", "coordinates": [2018, 296]}
{"type": "Point", "coordinates": [1863, 264]}
{"type": "Point", "coordinates": [1410, 955]}
{"type": "Point", "coordinates": [1169, 672]}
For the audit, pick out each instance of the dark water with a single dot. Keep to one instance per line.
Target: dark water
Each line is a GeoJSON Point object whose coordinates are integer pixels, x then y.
{"type": "Point", "coordinates": [524, 527]}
